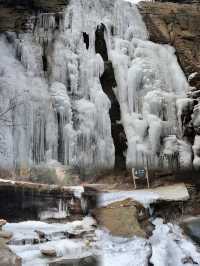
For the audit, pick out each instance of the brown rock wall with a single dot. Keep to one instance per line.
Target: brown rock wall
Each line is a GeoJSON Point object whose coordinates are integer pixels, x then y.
{"type": "Point", "coordinates": [177, 25]}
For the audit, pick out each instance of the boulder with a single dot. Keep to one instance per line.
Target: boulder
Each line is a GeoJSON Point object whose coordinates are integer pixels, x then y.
{"type": "Point", "coordinates": [6, 235]}
{"type": "Point", "coordinates": [123, 218]}
{"type": "Point", "coordinates": [2, 223]}
{"type": "Point", "coordinates": [7, 257]}
{"type": "Point", "coordinates": [48, 252]}
{"type": "Point", "coordinates": [191, 228]}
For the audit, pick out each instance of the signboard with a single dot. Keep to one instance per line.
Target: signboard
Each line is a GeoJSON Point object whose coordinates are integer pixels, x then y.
{"type": "Point", "coordinates": [140, 172]}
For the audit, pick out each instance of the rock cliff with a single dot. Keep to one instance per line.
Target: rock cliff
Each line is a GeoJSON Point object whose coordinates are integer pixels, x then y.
{"type": "Point", "coordinates": [15, 14]}
{"type": "Point", "coordinates": [178, 25]}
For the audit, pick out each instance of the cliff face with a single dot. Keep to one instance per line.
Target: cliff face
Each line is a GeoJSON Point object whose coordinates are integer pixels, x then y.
{"type": "Point", "coordinates": [179, 1]}
{"type": "Point", "coordinates": [15, 14]}
{"type": "Point", "coordinates": [178, 25]}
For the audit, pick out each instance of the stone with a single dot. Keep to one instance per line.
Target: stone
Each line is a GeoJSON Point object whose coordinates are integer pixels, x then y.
{"type": "Point", "coordinates": [7, 257]}
{"type": "Point", "coordinates": [191, 228]}
{"type": "Point", "coordinates": [48, 252]}
{"type": "Point", "coordinates": [122, 218]}
{"type": "Point", "coordinates": [87, 261]}
{"type": "Point", "coordinates": [6, 235]}
{"type": "Point", "coordinates": [189, 260]}
{"type": "Point", "coordinates": [2, 223]}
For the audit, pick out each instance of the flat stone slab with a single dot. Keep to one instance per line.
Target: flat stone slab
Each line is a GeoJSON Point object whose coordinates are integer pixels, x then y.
{"type": "Point", "coordinates": [176, 192]}
{"type": "Point", "coordinates": [87, 261]}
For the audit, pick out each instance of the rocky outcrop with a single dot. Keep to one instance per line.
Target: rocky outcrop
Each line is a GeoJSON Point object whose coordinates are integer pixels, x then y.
{"type": "Point", "coordinates": [33, 201]}
{"type": "Point", "coordinates": [35, 5]}
{"type": "Point", "coordinates": [177, 25]}
{"type": "Point", "coordinates": [7, 257]}
{"type": "Point", "coordinates": [14, 15]}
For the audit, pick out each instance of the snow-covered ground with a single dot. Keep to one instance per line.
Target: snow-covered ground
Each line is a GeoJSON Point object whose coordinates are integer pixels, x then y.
{"type": "Point", "coordinates": [167, 247]}
{"type": "Point", "coordinates": [123, 252]}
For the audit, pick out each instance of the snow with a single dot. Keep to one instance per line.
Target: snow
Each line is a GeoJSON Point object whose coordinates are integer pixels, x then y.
{"type": "Point", "coordinates": [167, 246]}
{"type": "Point", "coordinates": [31, 256]}
{"type": "Point", "coordinates": [23, 242]}
{"type": "Point", "coordinates": [27, 231]}
{"type": "Point", "coordinates": [121, 251]}
{"type": "Point", "coordinates": [144, 197]}
{"type": "Point", "coordinates": [176, 192]}
{"type": "Point", "coordinates": [170, 247]}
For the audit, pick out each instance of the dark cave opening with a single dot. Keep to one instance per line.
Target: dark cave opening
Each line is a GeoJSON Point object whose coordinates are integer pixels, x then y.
{"type": "Point", "coordinates": [100, 43]}
{"type": "Point", "coordinates": [45, 62]}
{"type": "Point", "coordinates": [60, 140]}
{"type": "Point", "coordinates": [108, 82]}
{"type": "Point", "coordinates": [86, 39]}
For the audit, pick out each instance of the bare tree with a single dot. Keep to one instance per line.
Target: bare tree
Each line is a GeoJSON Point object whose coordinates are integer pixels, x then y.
{"type": "Point", "coordinates": [13, 104]}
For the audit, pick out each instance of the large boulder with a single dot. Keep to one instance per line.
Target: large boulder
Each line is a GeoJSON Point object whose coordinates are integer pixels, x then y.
{"type": "Point", "coordinates": [125, 218]}
{"type": "Point", "coordinates": [7, 257]}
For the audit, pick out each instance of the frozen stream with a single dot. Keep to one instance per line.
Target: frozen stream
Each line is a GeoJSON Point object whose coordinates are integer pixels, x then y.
{"type": "Point", "coordinates": [30, 237]}
{"type": "Point", "coordinates": [167, 247]}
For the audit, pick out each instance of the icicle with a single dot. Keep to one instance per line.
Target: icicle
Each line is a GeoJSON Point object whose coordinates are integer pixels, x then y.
{"type": "Point", "coordinates": [196, 150]}
{"type": "Point", "coordinates": [65, 113]}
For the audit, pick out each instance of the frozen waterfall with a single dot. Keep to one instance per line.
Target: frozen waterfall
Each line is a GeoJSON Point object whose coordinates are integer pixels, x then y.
{"type": "Point", "coordinates": [53, 106]}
